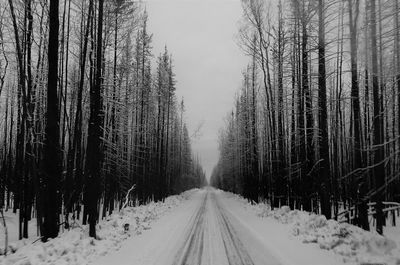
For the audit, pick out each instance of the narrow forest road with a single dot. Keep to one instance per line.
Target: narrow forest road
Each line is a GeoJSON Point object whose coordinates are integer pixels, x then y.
{"type": "Point", "coordinates": [214, 236]}
{"type": "Point", "coordinates": [202, 231]}
{"type": "Point", "coordinates": [213, 228]}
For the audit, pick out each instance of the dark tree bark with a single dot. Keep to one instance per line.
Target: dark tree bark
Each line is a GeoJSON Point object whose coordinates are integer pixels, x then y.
{"type": "Point", "coordinates": [379, 169]}
{"type": "Point", "coordinates": [253, 131]}
{"type": "Point", "coordinates": [52, 167]}
{"type": "Point", "coordinates": [324, 188]}
{"type": "Point", "coordinates": [95, 132]}
{"type": "Point", "coordinates": [307, 172]}
{"type": "Point", "coordinates": [282, 183]}
{"type": "Point", "coordinates": [355, 105]}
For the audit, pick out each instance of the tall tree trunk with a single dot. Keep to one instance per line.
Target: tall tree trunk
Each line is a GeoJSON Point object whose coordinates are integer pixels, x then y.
{"type": "Point", "coordinates": [254, 136]}
{"type": "Point", "coordinates": [379, 169]}
{"type": "Point", "coordinates": [307, 174]}
{"type": "Point", "coordinates": [325, 188]}
{"type": "Point", "coordinates": [358, 185]}
{"type": "Point", "coordinates": [94, 153]}
{"type": "Point", "coordinates": [281, 117]}
{"type": "Point", "coordinates": [52, 157]}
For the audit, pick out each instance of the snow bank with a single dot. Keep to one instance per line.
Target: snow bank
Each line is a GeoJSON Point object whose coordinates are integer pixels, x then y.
{"type": "Point", "coordinates": [76, 247]}
{"type": "Point", "coordinates": [351, 242]}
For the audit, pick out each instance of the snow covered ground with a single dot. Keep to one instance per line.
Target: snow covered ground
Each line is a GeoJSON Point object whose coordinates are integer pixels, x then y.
{"type": "Point", "coordinates": [75, 247]}
{"type": "Point", "coordinates": [200, 231]}
{"type": "Point", "coordinates": [12, 230]}
{"type": "Point", "coordinates": [215, 227]}
{"type": "Point", "coordinates": [352, 244]}
{"type": "Point", "coordinates": [210, 226]}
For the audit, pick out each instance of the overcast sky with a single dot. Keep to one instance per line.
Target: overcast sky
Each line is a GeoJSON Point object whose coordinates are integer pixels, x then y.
{"type": "Point", "coordinates": [208, 63]}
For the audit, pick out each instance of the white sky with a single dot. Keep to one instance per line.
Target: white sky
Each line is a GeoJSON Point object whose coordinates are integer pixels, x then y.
{"type": "Point", "coordinates": [200, 34]}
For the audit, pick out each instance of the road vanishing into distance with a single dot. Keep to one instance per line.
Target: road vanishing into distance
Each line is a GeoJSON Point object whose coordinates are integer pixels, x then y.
{"type": "Point", "coordinates": [213, 236]}
{"type": "Point", "coordinates": [202, 232]}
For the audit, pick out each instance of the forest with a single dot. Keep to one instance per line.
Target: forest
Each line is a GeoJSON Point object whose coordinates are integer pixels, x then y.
{"type": "Point", "coordinates": [89, 115]}
{"type": "Point", "coordinates": [316, 121]}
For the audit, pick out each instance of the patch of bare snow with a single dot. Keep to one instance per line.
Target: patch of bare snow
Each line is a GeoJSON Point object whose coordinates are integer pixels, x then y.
{"type": "Point", "coordinates": [76, 247]}
{"type": "Point", "coordinates": [351, 242]}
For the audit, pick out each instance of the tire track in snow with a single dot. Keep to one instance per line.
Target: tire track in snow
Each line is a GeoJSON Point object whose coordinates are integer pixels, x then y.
{"type": "Point", "coordinates": [192, 249]}
{"type": "Point", "coordinates": [194, 252]}
{"type": "Point", "coordinates": [234, 248]}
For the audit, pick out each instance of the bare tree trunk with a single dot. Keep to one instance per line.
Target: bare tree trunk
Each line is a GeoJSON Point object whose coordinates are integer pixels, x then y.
{"type": "Point", "coordinates": [379, 170]}
{"type": "Point", "coordinates": [325, 188]}
{"type": "Point", "coordinates": [254, 136]}
{"type": "Point", "coordinates": [52, 157]}
{"type": "Point", "coordinates": [94, 153]}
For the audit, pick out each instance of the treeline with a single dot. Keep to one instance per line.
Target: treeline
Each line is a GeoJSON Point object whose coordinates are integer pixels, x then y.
{"type": "Point", "coordinates": [84, 116]}
{"type": "Point", "coordinates": [316, 123]}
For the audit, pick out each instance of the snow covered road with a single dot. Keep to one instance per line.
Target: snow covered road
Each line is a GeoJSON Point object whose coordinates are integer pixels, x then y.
{"type": "Point", "coordinates": [202, 231]}
{"type": "Point", "coordinates": [214, 236]}
{"type": "Point", "coordinates": [210, 226]}
{"type": "Point", "coordinates": [213, 227]}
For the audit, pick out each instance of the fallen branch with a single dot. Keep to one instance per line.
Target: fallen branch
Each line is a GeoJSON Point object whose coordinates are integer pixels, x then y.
{"type": "Point", "coordinates": [127, 196]}
{"type": "Point", "coordinates": [40, 238]}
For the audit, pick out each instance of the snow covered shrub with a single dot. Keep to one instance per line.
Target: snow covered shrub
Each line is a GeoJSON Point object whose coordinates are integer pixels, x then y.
{"type": "Point", "coordinates": [263, 210]}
